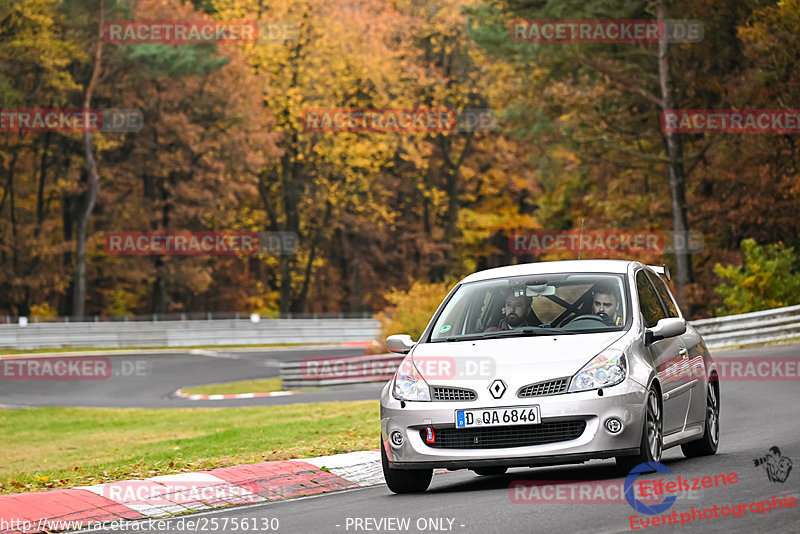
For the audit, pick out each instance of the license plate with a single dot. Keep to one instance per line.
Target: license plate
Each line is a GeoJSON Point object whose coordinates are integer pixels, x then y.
{"type": "Point", "coordinates": [517, 415]}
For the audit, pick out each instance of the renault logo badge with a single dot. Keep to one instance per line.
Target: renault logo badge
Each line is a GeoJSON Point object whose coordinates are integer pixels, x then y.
{"type": "Point", "coordinates": [497, 389]}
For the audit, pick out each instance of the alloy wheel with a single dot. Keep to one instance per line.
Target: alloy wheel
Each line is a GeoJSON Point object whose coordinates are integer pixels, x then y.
{"type": "Point", "coordinates": [654, 428]}
{"type": "Point", "coordinates": [712, 414]}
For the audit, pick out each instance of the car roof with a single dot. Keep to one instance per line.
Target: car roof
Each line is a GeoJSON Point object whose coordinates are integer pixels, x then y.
{"type": "Point", "coordinates": [547, 267]}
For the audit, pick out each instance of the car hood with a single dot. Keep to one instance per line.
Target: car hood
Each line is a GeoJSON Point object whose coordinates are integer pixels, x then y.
{"type": "Point", "coordinates": [517, 360]}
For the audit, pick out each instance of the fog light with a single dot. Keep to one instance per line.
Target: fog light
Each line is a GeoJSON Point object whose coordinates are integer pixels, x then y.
{"type": "Point", "coordinates": [613, 425]}
{"type": "Point", "coordinates": [396, 438]}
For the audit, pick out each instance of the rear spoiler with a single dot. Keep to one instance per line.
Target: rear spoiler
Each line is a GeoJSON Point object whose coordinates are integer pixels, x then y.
{"type": "Point", "coordinates": [663, 270]}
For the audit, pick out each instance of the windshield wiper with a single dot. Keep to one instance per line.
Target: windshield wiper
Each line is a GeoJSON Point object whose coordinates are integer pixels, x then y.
{"type": "Point", "coordinates": [462, 338]}
{"type": "Point", "coordinates": [529, 331]}
{"type": "Point", "coordinates": [526, 331]}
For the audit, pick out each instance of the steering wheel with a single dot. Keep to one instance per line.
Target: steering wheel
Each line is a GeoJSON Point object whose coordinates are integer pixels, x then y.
{"type": "Point", "coordinates": [588, 317]}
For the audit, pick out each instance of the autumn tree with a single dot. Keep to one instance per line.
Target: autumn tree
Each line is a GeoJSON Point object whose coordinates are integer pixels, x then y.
{"type": "Point", "coordinates": [35, 53]}
{"type": "Point", "coordinates": [599, 104]}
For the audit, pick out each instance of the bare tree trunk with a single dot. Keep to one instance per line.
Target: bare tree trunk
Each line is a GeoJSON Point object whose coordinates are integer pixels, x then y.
{"type": "Point", "coordinates": [93, 179]}
{"type": "Point", "coordinates": [289, 176]}
{"type": "Point", "coordinates": [677, 177]}
{"type": "Point", "coordinates": [300, 303]}
{"type": "Point", "coordinates": [452, 171]}
{"type": "Point", "coordinates": [290, 199]}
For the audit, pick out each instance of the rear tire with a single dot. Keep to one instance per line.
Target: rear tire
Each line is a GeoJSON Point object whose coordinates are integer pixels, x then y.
{"type": "Point", "coordinates": [405, 480]}
{"type": "Point", "coordinates": [652, 443]}
{"type": "Point", "coordinates": [708, 443]}
{"type": "Point", "coordinates": [490, 471]}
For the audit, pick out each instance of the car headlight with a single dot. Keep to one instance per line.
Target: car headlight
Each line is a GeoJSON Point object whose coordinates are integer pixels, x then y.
{"type": "Point", "coordinates": [606, 369]}
{"type": "Point", "coordinates": [409, 384]}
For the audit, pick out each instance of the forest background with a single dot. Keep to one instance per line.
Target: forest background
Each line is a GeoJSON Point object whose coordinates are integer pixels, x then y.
{"type": "Point", "coordinates": [388, 221]}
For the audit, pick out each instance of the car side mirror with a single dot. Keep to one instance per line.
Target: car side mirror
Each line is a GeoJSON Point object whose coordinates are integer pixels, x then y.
{"type": "Point", "coordinates": [399, 343]}
{"type": "Point", "coordinates": [664, 328]}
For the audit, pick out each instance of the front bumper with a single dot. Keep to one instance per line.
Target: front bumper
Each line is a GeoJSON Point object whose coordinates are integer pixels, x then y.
{"type": "Point", "coordinates": [624, 402]}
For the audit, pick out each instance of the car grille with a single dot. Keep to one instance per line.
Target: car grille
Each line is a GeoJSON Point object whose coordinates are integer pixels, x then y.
{"type": "Point", "coordinates": [453, 394]}
{"type": "Point", "coordinates": [498, 437]}
{"type": "Point", "coordinates": [550, 387]}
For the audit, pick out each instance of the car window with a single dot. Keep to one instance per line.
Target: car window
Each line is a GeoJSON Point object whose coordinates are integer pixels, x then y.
{"type": "Point", "coordinates": [648, 301]}
{"type": "Point", "coordinates": [663, 292]}
{"type": "Point", "coordinates": [549, 303]}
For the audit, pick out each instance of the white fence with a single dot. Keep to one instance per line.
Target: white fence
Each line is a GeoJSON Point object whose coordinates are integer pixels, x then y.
{"type": "Point", "coordinates": [748, 328]}
{"type": "Point", "coordinates": [186, 333]}
{"type": "Point", "coordinates": [312, 372]}
{"type": "Point", "coordinates": [744, 329]}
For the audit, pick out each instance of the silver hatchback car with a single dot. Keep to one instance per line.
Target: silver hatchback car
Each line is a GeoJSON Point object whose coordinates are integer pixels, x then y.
{"type": "Point", "coordinates": [549, 363]}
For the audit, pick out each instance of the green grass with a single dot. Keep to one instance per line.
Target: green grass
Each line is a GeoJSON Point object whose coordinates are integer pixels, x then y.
{"type": "Point", "coordinates": [45, 448]}
{"type": "Point", "coordinates": [263, 385]}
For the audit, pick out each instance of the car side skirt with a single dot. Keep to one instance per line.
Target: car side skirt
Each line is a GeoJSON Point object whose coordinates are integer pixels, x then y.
{"type": "Point", "coordinates": [692, 432]}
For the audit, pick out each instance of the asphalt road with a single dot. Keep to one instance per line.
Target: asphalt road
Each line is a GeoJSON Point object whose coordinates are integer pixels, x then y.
{"type": "Point", "coordinates": [755, 416]}
{"type": "Point", "coordinates": [149, 380]}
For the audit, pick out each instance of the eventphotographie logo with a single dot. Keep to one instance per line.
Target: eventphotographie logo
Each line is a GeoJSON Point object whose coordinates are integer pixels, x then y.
{"type": "Point", "coordinates": [777, 467]}
{"type": "Point", "coordinates": [636, 503]}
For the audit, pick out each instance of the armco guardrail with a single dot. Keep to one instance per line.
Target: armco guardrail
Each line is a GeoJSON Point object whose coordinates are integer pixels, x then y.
{"type": "Point", "coordinates": [748, 328]}
{"type": "Point", "coordinates": [186, 333]}
{"type": "Point", "coordinates": [744, 329]}
{"type": "Point", "coordinates": [311, 372]}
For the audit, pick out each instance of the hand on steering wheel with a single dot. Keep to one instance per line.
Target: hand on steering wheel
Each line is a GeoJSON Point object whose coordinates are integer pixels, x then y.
{"type": "Point", "coordinates": [598, 317]}
{"type": "Point", "coordinates": [606, 318]}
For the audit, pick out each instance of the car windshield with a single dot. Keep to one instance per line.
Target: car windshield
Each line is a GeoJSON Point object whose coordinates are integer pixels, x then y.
{"type": "Point", "coordinates": [546, 304]}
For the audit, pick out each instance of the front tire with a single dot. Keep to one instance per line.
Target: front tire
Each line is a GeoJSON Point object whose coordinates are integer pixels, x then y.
{"type": "Point", "coordinates": [405, 480]}
{"type": "Point", "coordinates": [708, 443]}
{"type": "Point", "coordinates": [652, 443]}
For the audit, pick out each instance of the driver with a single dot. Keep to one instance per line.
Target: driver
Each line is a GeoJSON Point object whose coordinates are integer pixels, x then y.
{"type": "Point", "coordinates": [606, 304]}
{"type": "Point", "coordinates": [518, 313]}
